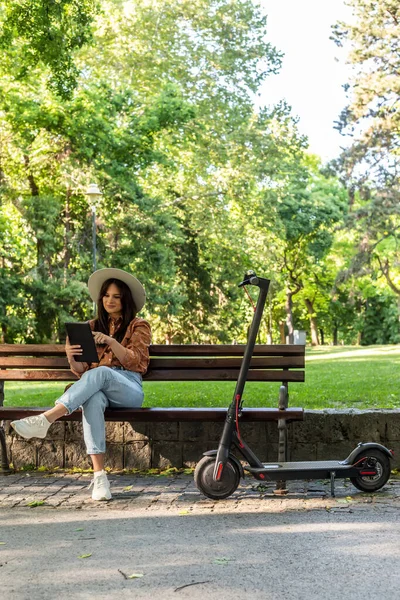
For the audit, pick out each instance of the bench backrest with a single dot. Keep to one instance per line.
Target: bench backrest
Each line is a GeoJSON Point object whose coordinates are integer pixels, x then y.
{"type": "Point", "coordinates": [173, 362]}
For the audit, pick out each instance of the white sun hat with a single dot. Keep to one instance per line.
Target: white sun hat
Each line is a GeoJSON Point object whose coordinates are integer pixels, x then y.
{"type": "Point", "coordinates": [97, 279]}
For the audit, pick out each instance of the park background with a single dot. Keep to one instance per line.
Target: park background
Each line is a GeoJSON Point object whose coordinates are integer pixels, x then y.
{"type": "Point", "coordinates": [204, 174]}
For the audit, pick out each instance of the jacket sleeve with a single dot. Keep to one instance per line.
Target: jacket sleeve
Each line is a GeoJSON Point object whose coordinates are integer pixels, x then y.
{"type": "Point", "coordinates": [137, 348]}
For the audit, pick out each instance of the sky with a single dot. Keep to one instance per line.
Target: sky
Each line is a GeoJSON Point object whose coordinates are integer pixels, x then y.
{"type": "Point", "coordinates": [310, 78]}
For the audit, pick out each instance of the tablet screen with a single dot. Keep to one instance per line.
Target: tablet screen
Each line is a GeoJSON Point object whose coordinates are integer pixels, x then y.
{"type": "Point", "coordinates": [81, 334]}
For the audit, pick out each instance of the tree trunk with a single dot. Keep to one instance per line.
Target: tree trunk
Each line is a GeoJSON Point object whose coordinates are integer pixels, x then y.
{"type": "Point", "coordinates": [335, 333]}
{"type": "Point", "coordinates": [322, 336]}
{"type": "Point", "coordinates": [282, 332]}
{"type": "Point", "coordinates": [40, 258]}
{"type": "Point", "coordinates": [289, 315]}
{"type": "Point", "coordinates": [67, 235]}
{"type": "Point", "coordinates": [269, 324]}
{"type": "Point", "coordinates": [313, 322]}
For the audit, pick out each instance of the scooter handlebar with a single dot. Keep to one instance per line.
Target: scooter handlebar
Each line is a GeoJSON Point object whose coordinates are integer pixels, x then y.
{"type": "Point", "coordinates": [250, 278]}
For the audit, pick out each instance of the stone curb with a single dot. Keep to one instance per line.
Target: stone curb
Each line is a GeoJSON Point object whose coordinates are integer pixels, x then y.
{"type": "Point", "coordinates": [323, 435]}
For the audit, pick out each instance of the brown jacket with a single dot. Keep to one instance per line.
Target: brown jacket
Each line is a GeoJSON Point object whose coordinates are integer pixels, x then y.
{"type": "Point", "coordinates": [136, 341]}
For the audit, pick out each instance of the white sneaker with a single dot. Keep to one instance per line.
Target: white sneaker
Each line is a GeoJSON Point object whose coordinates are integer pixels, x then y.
{"type": "Point", "coordinates": [32, 427]}
{"type": "Point", "coordinates": [101, 487]}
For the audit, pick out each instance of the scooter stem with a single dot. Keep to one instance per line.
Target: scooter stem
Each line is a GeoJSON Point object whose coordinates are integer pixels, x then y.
{"type": "Point", "coordinates": [226, 438]}
{"type": "Point", "coordinates": [251, 341]}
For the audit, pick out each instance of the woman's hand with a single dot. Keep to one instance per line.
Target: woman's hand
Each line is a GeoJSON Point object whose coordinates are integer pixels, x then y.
{"type": "Point", "coordinates": [72, 351]}
{"type": "Point", "coordinates": [102, 338]}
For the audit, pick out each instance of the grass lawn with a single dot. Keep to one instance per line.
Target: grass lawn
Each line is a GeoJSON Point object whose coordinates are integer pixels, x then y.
{"type": "Point", "coordinates": [339, 377]}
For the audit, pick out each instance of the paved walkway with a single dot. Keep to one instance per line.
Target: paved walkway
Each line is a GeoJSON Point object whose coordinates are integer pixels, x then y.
{"type": "Point", "coordinates": [159, 538]}
{"type": "Point", "coordinates": [178, 492]}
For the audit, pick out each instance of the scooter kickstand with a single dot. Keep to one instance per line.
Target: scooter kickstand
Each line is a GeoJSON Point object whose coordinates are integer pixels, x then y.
{"type": "Point", "coordinates": [333, 484]}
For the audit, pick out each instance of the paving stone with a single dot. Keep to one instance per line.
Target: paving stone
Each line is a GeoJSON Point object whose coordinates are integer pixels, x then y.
{"type": "Point", "coordinates": [179, 493]}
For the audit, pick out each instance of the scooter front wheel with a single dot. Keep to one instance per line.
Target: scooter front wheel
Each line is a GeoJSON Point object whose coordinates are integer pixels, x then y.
{"type": "Point", "coordinates": [371, 483]}
{"type": "Point", "coordinates": [217, 490]}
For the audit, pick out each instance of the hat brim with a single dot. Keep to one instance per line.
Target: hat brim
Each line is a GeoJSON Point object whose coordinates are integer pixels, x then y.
{"type": "Point", "coordinates": [97, 279]}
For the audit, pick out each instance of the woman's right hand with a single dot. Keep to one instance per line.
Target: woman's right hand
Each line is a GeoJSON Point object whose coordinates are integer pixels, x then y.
{"type": "Point", "coordinates": [72, 351]}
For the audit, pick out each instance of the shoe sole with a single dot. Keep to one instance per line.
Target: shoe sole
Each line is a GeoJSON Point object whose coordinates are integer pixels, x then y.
{"type": "Point", "coordinates": [103, 499]}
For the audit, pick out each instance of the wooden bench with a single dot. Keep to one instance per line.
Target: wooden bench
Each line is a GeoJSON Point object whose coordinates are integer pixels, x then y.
{"type": "Point", "coordinates": [283, 364]}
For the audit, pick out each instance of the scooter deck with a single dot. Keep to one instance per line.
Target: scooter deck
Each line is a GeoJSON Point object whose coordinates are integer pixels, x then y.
{"type": "Point", "coordinates": [308, 464]}
{"type": "Point", "coordinates": [303, 470]}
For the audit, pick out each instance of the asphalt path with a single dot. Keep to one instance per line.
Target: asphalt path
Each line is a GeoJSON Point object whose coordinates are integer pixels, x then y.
{"type": "Point", "coordinates": [254, 546]}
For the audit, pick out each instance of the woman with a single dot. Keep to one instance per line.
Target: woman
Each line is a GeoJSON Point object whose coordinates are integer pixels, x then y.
{"type": "Point", "coordinates": [122, 342]}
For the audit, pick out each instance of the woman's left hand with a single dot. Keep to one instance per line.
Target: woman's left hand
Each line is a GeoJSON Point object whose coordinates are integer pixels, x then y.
{"type": "Point", "coordinates": [102, 338]}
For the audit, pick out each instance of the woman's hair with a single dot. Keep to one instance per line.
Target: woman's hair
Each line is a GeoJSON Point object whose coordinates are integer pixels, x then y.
{"type": "Point", "coordinates": [128, 309]}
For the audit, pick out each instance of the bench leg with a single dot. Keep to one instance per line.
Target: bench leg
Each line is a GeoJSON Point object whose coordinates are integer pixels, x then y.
{"type": "Point", "coordinates": [5, 467]}
{"type": "Point", "coordinates": [281, 489]}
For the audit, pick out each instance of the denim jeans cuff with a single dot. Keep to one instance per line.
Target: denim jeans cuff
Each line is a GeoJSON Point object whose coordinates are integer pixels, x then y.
{"type": "Point", "coordinates": [65, 406]}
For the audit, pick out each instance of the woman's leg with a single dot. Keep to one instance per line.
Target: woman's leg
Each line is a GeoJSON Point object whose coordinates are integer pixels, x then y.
{"type": "Point", "coordinates": [94, 429]}
{"type": "Point", "coordinates": [55, 413]}
{"type": "Point", "coordinates": [122, 388]}
{"type": "Point", "coordinates": [94, 426]}
{"type": "Point", "coordinates": [121, 391]}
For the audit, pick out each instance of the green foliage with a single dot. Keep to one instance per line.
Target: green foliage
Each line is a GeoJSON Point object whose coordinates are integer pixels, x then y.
{"type": "Point", "coordinates": [380, 321]}
{"type": "Point", "coordinates": [48, 31]}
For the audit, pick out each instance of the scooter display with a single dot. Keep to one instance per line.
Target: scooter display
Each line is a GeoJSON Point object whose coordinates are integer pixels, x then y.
{"type": "Point", "coordinates": [218, 473]}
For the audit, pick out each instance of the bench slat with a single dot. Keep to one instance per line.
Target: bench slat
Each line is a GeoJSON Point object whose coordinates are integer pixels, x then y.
{"type": "Point", "coordinates": [222, 375]}
{"type": "Point", "coordinates": [33, 362]}
{"type": "Point", "coordinates": [161, 375]}
{"type": "Point", "coordinates": [225, 349]}
{"type": "Point", "coordinates": [21, 375]}
{"type": "Point", "coordinates": [164, 350]}
{"type": "Point", "coordinates": [32, 349]}
{"type": "Point", "coordinates": [263, 362]}
{"type": "Point", "coordinates": [165, 414]}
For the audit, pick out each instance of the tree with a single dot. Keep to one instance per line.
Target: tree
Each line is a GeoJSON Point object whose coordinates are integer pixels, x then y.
{"type": "Point", "coordinates": [308, 209]}
{"type": "Point", "coordinates": [370, 166]}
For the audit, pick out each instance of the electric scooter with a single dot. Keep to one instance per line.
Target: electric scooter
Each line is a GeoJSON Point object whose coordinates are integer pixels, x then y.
{"type": "Point", "coordinates": [217, 474]}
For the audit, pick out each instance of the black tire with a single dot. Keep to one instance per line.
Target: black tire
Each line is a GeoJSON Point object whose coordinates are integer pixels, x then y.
{"type": "Point", "coordinates": [216, 490]}
{"type": "Point", "coordinates": [381, 462]}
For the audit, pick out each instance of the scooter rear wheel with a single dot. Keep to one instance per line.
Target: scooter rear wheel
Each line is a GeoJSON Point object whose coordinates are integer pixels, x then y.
{"type": "Point", "coordinates": [381, 462]}
{"type": "Point", "coordinates": [217, 490]}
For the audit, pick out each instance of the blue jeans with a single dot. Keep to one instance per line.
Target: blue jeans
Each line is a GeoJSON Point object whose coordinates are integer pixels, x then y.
{"type": "Point", "coordinates": [96, 390]}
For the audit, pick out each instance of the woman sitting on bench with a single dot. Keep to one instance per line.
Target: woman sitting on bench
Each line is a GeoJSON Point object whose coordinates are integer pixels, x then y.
{"type": "Point", "coordinates": [122, 342]}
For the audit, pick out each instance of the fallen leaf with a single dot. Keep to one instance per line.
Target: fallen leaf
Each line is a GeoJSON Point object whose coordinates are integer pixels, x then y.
{"type": "Point", "coordinates": [79, 529]}
{"type": "Point", "coordinates": [184, 512]}
{"type": "Point", "coordinates": [35, 503]}
{"type": "Point", "coordinates": [133, 576]}
{"type": "Point", "coordinates": [128, 488]}
{"type": "Point", "coordinates": [222, 560]}
{"type": "Point", "coordinates": [169, 471]}
{"type": "Point", "coordinates": [3, 543]}
{"type": "Point", "coordinates": [349, 498]}
{"type": "Point", "coordinates": [85, 555]}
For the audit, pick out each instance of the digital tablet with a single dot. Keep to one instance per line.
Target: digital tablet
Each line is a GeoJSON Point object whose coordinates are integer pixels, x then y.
{"type": "Point", "coordinates": [81, 334]}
